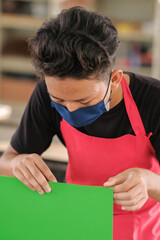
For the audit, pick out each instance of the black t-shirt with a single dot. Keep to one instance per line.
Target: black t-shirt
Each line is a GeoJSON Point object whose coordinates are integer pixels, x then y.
{"type": "Point", "coordinates": [40, 122]}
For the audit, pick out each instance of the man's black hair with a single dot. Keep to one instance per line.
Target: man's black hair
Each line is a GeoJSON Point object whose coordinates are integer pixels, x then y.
{"type": "Point", "coordinates": [77, 43]}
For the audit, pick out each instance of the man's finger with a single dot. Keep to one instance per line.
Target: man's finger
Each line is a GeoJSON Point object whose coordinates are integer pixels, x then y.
{"type": "Point", "coordinates": [44, 169]}
{"type": "Point", "coordinates": [136, 207]}
{"type": "Point", "coordinates": [22, 178]}
{"type": "Point", "coordinates": [130, 182]}
{"type": "Point", "coordinates": [129, 202]}
{"type": "Point", "coordinates": [38, 176]}
{"type": "Point", "coordinates": [120, 178]}
{"type": "Point", "coordinates": [27, 172]}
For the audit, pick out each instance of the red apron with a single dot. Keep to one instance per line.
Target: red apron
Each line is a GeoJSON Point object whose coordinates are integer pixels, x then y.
{"type": "Point", "coordinates": [92, 160]}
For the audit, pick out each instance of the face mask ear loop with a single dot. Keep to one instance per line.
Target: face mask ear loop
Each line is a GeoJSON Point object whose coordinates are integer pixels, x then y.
{"type": "Point", "coordinates": [107, 104]}
{"type": "Point", "coordinates": [108, 86]}
{"type": "Point", "coordinates": [108, 101]}
{"type": "Point", "coordinates": [110, 96]}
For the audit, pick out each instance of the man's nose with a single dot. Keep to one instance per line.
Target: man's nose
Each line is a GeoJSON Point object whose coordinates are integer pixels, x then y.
{"type": "Point", "coordinates": [72, 106]}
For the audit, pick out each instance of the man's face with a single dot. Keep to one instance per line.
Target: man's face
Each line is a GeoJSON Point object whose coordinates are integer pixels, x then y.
{"type": "Point", "coordinates": [74, 94]}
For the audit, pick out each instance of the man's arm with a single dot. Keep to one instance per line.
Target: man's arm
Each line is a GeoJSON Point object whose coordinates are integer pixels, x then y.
{"type": "Point", "coordinates": [28, 168]}
{"type": "Point", "coordinates": [133, 186]}
{"type": "Point", "coordinates": [5, 161]}
{"type": "Point", "coordinates": [153, 184]}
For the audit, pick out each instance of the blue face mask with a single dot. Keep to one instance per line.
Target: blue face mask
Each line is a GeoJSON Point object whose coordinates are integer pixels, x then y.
{"type": "Point", "coordinates": [83, 116]}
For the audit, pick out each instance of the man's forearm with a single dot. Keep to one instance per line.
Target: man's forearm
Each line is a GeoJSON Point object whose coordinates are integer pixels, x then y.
{"type": "Point", "coordinates": [5, 164]}
{"type": "Point", "coordinates": [153, 185]}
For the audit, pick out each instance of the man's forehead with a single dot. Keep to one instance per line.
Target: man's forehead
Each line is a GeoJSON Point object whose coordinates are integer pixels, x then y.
{"type": "Point", "coordinates": [71, 89]}
{"type": "Point", "coordinates": [77, 100]}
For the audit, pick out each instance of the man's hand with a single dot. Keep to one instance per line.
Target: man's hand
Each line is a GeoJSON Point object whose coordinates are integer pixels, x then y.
{"type": "Point", "coordinates": [131, 190]}
{"type": "Point", "coordinates": [33, 172]}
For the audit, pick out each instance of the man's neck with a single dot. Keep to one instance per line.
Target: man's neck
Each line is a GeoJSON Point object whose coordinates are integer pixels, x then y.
{"type": "Point", "coordinates": [117, 95]}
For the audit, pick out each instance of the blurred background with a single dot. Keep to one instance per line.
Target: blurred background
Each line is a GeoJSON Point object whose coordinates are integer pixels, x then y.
{"type": "Point", "coordinates": [138, 24]}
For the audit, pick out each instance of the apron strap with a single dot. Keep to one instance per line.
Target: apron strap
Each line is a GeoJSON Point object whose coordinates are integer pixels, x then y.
{"type": "Point", "coordinates": [132, 110]}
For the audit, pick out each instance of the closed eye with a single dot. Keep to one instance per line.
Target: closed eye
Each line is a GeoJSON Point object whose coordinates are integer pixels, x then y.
{"type": "Point", "coordinates": [61, 101]}
{"type": "Point", "coordinates": [85, 103]}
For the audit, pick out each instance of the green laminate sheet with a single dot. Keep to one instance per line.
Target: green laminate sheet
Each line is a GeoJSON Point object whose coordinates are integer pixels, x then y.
{"type": "Point", "coordinates": [68, 212]}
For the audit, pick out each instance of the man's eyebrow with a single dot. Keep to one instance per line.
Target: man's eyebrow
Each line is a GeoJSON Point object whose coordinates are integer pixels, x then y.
{"type": "Point", "coordinates": [78, 100]}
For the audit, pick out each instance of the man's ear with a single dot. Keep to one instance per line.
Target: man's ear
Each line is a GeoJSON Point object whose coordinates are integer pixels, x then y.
{"type": "Point", "coordinates": [116, 78]}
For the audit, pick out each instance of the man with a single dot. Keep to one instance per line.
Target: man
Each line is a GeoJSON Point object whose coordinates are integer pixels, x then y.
{"type": "Point", "coordinates": [108, 120]}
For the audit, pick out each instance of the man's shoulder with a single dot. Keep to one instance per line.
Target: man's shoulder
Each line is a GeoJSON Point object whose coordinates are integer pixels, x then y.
{"type": "Point", "coordinates": [143, 86]}
{"type": "Point", "coordinates": [41, 86]}
{"type": "Point", "coordinates": [40, 91]}
{"type": "Point", "coordinates": [145, 91]}
{"type": "Point", "coordinates": [146, 81]}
